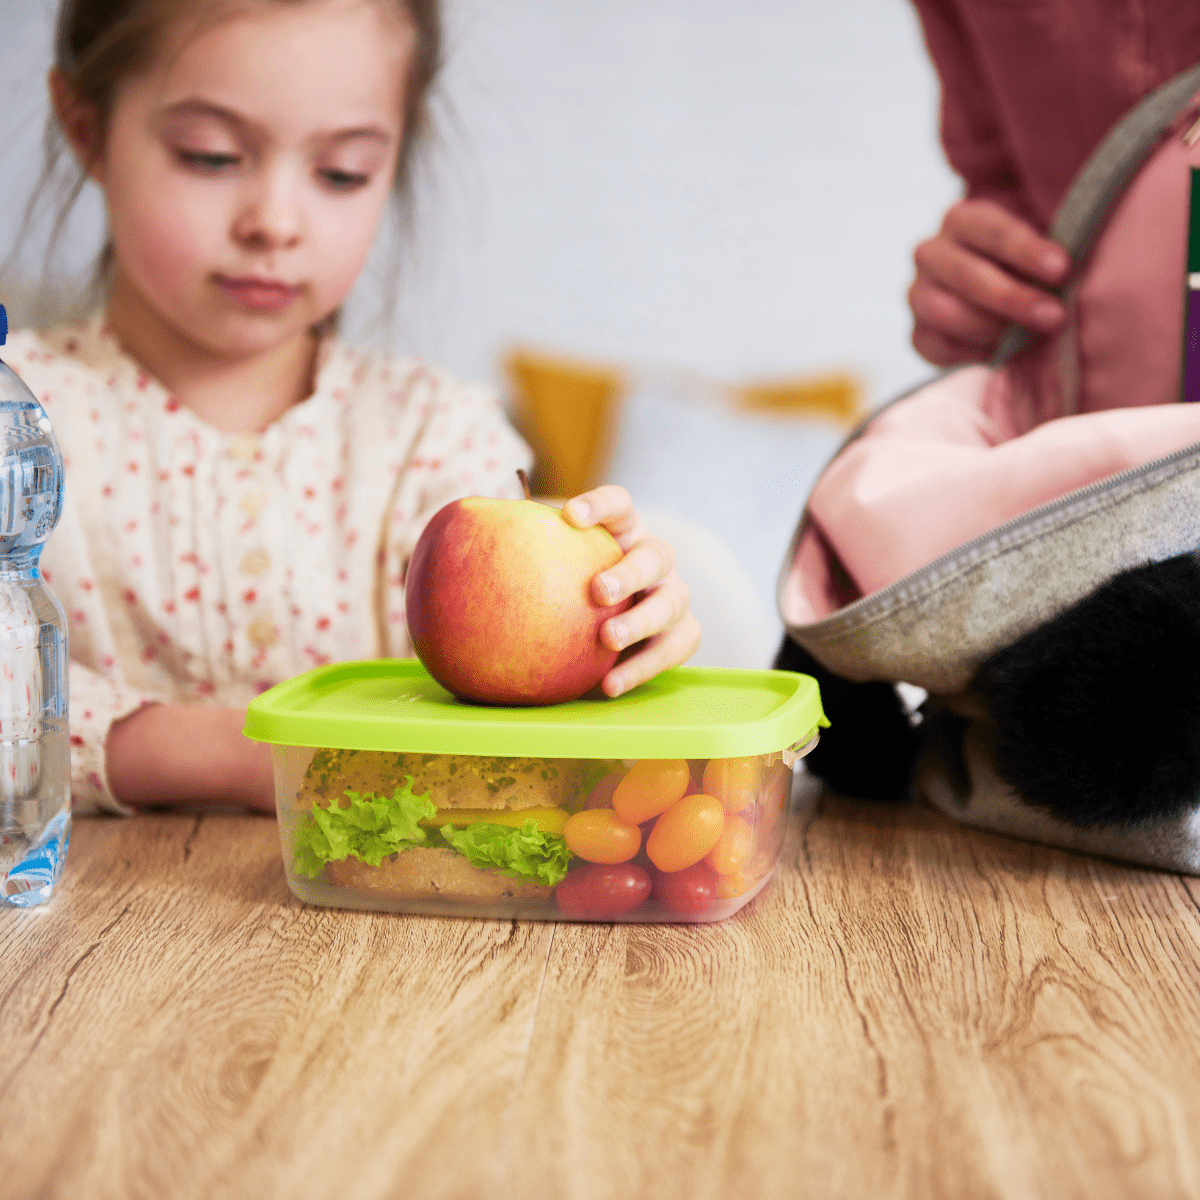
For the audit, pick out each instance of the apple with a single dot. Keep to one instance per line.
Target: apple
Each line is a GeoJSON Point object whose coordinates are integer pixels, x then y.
{"type": "Point", "coordinates": [499, 602]}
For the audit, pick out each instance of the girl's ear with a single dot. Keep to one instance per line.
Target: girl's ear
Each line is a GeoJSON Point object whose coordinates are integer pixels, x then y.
{"type": "Point", "coordinates": [79, 122]}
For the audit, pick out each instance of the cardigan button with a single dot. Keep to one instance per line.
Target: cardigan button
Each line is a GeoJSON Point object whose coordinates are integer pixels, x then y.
{"type": "Point", "coordinates": [255, 562]}
{"type": "Point", "coordinates": [244, 446]}
{"type": "Point", "coordinates": [252, 501]}
{"type": "Point", "coordinates": [262, 633]}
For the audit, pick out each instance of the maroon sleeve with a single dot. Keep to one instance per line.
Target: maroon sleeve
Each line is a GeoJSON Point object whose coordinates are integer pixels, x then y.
{"type": "Point", "coordinates": [971, 125]}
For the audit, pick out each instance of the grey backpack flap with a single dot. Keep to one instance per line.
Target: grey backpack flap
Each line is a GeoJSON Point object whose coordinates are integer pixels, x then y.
{"type": "Point", "coordinates": [942, 627]}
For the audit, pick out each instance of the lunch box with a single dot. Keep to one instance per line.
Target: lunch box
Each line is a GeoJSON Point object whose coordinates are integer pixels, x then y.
{"type": "Point", "coordinates": [666, 804]}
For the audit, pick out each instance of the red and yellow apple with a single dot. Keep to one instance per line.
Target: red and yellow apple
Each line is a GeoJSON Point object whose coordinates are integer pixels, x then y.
{"type": "Point", "coordinates": [499, 602]}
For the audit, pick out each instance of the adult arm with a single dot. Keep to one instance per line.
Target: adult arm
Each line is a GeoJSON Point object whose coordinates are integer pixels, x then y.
{"type": "Point", "coordinates": [989, 264]}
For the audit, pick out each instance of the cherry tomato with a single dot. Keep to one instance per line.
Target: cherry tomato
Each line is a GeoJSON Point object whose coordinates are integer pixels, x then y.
{"type": "Point", "coordinates": [769, 813]}
{"type": "Point", "coordinates": [686, 832]}
{"type": "Point", "coordinates": [777, 787]}
{"type": "Point", "coordinates": [691, 890]}
{"type": "Point", "coordinates": [598, 835]}
{"type": "Point", "coordinates": [732, 851]}
{"type": "Point", "coordinates": [601, 795]}
{"type": "Point", "coordinates": [650, 787]}
{"type": "Point", "coordinates": [599, 891]}
{"type": "Point", "coordinates": [731, 886]}
{"type": "Point", "coordinates": [734, 781]}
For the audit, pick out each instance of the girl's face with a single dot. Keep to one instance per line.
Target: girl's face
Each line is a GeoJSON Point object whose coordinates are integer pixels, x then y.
{"type": "Point", "coordinates": [245, 172]}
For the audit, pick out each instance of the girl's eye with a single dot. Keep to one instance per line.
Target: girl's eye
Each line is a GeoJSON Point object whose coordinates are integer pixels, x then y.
{"type": "Point", "coordinates": [205, 161]}
{"type": "Point", "coordinates": [343, 181]}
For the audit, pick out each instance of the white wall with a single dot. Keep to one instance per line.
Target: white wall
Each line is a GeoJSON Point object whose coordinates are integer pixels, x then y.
{"type": "Point", "coordinates": [729, 186]}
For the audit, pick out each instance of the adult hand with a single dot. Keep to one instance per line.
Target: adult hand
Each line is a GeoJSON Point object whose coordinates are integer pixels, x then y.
{"type": "Point", "coordinates": [660, 619]}
{"type": "Point", "coordinates": [984, 269]}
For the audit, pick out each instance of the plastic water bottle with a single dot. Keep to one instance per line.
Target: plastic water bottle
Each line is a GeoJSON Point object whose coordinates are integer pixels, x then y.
{"type": "Point", "coordinates": [35, 750]}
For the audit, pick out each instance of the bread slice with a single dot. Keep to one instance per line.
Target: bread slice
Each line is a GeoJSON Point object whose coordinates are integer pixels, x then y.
{"type": "Point", "coordinates": [420, 873]}
{"type": "Point", "coordinates": [449, 780]}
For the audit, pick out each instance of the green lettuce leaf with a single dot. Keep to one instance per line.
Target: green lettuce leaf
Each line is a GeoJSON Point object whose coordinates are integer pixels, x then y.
{"type": "Point", "coordinates": [370, 829]}
{"type": "Point", "coordinates": [520, 853]}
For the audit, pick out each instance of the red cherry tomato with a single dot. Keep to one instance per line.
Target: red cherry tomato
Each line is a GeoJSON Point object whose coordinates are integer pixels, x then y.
{"type": "Point", "coordinates": [601, 795]}
{"type": "Point", "coordinates": [600, 891]}
{"type": "Point", "coordinates": [689, 891]}
{"type": "Point", "coordinates": [598, 835]}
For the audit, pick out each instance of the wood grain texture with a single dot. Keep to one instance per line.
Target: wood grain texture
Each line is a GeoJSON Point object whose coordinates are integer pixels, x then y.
{"type": "Point", "coordinates": [913, 1010]}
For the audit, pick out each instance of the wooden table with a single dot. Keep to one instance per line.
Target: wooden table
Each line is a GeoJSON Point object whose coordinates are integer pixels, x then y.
{"type": "Point", "coordinates": [914, 1009]}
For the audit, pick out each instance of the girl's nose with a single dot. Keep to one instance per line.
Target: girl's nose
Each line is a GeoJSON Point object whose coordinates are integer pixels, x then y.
{"type": "Point", "coordinates": [270, 217]}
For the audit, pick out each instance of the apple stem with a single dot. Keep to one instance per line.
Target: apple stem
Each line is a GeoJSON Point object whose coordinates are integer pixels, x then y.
{"type": "Point", "coordinates": [524, 482]}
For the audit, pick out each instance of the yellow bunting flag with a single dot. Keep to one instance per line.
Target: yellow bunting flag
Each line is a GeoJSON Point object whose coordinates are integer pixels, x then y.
{"type": "Point", "coordinates": [838, 396]}
{"type": "Point", "coordinates": [567, 411]}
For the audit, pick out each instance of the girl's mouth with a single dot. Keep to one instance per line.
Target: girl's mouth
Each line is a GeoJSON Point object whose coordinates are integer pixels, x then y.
{"type": "Point", "coordinates": [253, 292]}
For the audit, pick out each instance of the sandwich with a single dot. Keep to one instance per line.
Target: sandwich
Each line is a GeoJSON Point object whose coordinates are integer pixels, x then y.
{"type": "Point", "coordinates": [417, 826]}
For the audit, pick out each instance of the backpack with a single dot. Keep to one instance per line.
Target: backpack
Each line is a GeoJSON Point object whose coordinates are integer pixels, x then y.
{"type": "Point", "coordinates": [1021, 542]}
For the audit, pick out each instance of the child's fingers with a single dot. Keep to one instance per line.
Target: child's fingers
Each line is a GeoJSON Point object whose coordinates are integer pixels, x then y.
{"type": "Point", "coordinates": [662, 608]}
{"type": "Point", "coordinates": [660, 653]}
{"type": "Point", "coordinates": [609, 505]}
{"type": "Point", "coordinates": [648, 563]}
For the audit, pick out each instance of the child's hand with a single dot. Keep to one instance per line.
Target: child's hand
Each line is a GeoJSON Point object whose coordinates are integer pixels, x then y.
{"type": "Point", "coordinates": [176, 754]}
{"type": "Point", "coordinates": [660, 618]}
{"type": "Point", "coordinates": [982, 270]}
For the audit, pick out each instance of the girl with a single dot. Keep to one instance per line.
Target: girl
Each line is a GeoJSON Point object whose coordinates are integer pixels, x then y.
{"type": "Point", "coordinates": [243, 488]}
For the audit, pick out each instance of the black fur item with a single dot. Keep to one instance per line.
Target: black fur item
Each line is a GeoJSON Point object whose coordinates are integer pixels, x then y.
{"type": "Point", "coordinates": [869, 747]}
{"type": "Point", "coordinates": [1098, 711]}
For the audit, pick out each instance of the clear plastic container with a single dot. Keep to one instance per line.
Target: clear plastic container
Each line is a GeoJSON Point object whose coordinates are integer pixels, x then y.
{"type": "Point", "coordinates": [35, 755]}
{"type": "Point", "coordinates": [667, 804]}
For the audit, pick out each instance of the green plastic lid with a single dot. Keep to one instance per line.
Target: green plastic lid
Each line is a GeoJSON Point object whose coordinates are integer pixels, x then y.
{"type": "Point", "coordinates": [393, 704]}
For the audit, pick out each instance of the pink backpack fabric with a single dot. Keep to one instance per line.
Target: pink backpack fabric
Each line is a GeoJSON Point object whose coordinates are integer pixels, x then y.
{"type": "Point", "coordinates": [1002, 518]}
{"type": "Point", "coordinates": [979, 446]}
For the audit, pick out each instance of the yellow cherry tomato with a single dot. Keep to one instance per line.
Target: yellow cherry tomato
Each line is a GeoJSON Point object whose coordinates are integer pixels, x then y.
{"type": "Point", "coordinates": [777, 787]}
{"type": "Point", "coordinates": [734, 781]}
{"type": "Point", "coordinates": [732, 851]}
{"type": "Point", "coordinates": [650, 787]}
{"type": "Point", "coordinates": [730, 886]}
{"type": "Point", "coordinates": [598, 835]}
{"type": "Point", "coordinates": [686, 832]}
{"type": "Point", "coordinates": [769, 813]}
